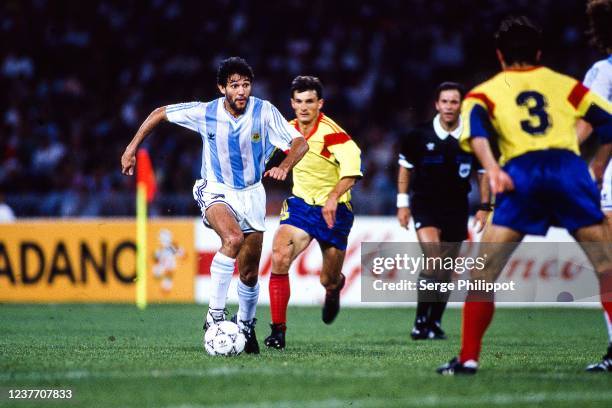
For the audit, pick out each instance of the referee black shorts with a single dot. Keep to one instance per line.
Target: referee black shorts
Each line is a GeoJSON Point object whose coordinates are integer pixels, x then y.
{"type": "Point", "coordinates": [449, 216]}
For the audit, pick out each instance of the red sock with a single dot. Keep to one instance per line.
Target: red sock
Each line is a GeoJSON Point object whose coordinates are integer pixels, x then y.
{"type": "Point", "coordinates": [605, 292]}
{"type": "Point", "coordinates": [279, 297]}
{"type": "Point", "coordinates": [477, 314]}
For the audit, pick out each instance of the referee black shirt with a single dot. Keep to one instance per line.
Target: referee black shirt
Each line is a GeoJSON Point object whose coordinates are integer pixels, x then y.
{"type": "Point", "coordinates": [441, 170]}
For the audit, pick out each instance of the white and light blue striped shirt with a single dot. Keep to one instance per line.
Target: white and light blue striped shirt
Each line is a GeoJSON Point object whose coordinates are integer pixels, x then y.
{"type": "Point", "coordinates": [599, 78]}
{"type": "Point", "coordinates": [235, 150]}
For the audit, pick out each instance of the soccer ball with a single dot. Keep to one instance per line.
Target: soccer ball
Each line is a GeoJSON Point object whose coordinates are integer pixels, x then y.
{"type": "Point", "coordinates": [224, 339]}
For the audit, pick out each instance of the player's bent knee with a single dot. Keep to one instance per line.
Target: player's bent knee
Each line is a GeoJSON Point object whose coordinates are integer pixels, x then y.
{"type": "Point", "coordinates": [233, 242]}
{"type": "Point", "coordinates": [281, 258]}
{"type": "Point", "coordinates": [330, 281]}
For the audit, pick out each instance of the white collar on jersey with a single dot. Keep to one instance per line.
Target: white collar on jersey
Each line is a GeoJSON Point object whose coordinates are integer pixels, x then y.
{"type": "Point", "coordinates": [443, 134]}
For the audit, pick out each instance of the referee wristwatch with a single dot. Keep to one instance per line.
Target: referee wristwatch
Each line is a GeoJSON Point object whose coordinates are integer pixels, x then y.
{"type": "Point", "coordinates": [485, 207]}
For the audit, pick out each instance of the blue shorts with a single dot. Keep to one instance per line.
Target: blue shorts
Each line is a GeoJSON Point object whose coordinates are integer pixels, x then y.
{"type": "Point", "coordinates": [551, 187]}
{"type": "Point", "coordinates": [309, 218]}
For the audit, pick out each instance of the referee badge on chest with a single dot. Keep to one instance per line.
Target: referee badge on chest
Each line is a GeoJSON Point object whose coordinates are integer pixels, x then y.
{"type": "Point", "coordinates": [255, 138]}
{"type": "Point", "coordinates": [464, 169]}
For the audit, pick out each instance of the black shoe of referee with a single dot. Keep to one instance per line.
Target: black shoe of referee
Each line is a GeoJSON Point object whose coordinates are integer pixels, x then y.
{"type": "Point", "coordinates": [420, 330]}
{"type": "Point", "coordinates": [436, 332]}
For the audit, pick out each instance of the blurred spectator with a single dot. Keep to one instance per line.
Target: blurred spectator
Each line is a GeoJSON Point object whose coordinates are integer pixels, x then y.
{"type": "Point", "coordinates": [47, 155]}
{"type": "Point", "coordinates": [78, 77]}
{"type": "Point", "coordinates": [6, 213]}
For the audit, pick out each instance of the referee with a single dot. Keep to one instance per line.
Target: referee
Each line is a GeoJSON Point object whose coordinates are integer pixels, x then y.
{"type": "Point", "coordinates": [437, 172]}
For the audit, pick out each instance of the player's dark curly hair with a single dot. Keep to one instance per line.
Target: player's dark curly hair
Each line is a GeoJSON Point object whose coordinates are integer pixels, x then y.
{"type": "Point", "coordinates": [447, 86]}
{"type": "Point", "coordinates": [231, 66]}
{"type": "Point", "coordinates": [307, 83]}
{"type": "Point", "coordinates": [519, 40]}
{"type": "Point", "coordinates": [599, 13]}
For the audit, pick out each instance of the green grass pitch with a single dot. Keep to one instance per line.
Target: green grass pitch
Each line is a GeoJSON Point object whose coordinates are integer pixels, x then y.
{"type": "Point", "coordinates": [115, 355]}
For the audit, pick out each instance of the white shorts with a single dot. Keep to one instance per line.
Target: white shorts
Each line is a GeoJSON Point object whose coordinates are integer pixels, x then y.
{"type": "Point", "coordinates": [606, 189]}
{"type": "Point", "coordinates": [248, 204]}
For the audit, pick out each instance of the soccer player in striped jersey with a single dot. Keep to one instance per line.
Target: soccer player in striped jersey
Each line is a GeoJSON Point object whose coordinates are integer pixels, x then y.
{"type": "Point", "coordinates": [319, 208]}
{"type": "Point", "coordinates": [239, 133]}
{"type": "Point", "coordinates": [533, 111]}
{"type": "Point", "coordinates": [599, 79]}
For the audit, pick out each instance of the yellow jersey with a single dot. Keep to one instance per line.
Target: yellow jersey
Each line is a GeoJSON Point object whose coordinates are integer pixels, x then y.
{"type": "Point", "coordinates": [530, 109]}
{"type": "Point", "coordinates": [332, 155]}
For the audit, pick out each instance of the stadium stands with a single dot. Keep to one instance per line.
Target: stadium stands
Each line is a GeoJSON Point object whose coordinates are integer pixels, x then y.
{"type": "Point", "coordinates": [79, 77]}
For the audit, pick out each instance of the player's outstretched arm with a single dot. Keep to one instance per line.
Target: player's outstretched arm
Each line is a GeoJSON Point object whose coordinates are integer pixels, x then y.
{"type": "Point", "coordinates": [128, 159]}
{"type": "Point", "coordinates": [499, 180]}
{"type": "Point", "coordinates": [403, 203]}
{"type": "Point", "coordinates": [299, 148]}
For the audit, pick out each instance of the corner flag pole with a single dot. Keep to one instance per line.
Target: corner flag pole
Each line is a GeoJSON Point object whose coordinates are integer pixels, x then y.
{"type": "Point", "coordinates": [145, 191]}
{"type": "Point", "coordinates": [141, 245]}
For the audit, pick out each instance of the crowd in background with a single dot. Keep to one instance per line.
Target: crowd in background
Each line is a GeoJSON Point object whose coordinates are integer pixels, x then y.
{"type": "Point", "coordinates": [78, 78]}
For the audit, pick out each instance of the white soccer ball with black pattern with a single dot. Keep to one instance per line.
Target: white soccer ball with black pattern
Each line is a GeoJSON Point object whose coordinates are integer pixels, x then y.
{"type": "Point", "coordinates": [224, 339]}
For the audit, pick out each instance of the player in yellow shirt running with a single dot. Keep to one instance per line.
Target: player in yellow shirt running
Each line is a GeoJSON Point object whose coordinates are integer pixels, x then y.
{"type": "Point", "coordinates": [319, 208]}
{"type": "Point", "coordinates": [533, 112]}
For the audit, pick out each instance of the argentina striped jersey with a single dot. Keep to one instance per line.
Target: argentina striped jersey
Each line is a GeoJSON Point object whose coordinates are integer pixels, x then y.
{"type": "Point", "coordinates": [234, 150]}
{"type": "Point", "coordinates": [599, 78]}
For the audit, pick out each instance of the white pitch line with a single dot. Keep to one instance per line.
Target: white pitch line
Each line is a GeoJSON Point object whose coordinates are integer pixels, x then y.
{"type": "Point", "coordinates": [426, 400]}
{"type": "Point", "coordinates": [179, 372]}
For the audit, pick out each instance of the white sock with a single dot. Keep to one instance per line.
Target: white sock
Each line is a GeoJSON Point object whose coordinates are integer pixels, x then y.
{"type": "Point", "coordinates": [221, 270]}
{"type": "Point", "coordinates": [247, 301]}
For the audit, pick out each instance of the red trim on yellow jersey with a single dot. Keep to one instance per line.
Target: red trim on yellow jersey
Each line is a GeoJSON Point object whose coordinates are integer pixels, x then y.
{"type": "Point", "coordinates": [577, 94]}
{"type": "Point", "coordinates": [336, 138]}
{"type": "Point", "coordinates": [314, 129]}
{"type": "Point", "coordinates": [332, 139]}
{"type": "Point", "coordinates": [484, 99]}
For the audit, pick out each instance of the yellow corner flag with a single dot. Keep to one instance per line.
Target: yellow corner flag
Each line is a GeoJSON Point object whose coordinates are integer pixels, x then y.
{"type": "Point", "coordinates": [145, 191]}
